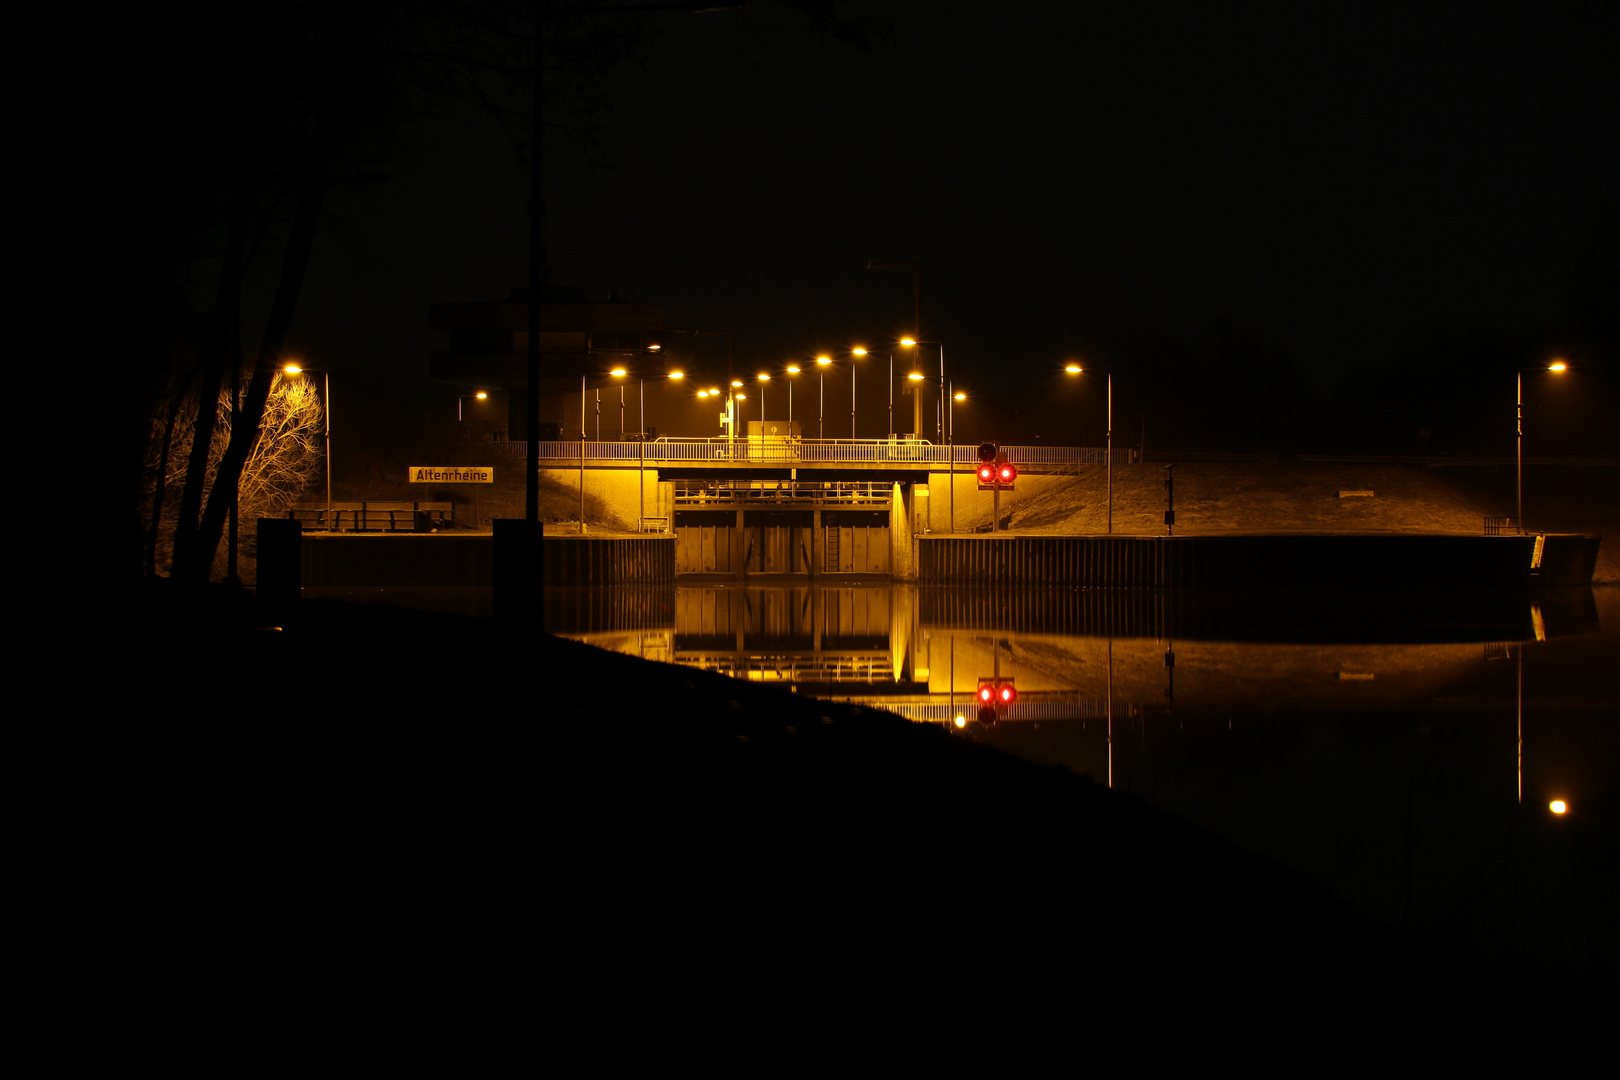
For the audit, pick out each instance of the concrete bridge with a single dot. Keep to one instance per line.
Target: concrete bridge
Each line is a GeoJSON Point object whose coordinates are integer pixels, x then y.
{"type": "Point", "coordinates": [774, 504]}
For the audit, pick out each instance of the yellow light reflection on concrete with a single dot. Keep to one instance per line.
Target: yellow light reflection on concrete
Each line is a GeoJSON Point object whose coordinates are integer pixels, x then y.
{"type": "Point", "coordinates": [1558, 806]}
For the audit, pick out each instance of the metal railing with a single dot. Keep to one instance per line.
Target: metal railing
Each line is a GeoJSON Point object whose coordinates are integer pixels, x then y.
{"type": "Point", "coordinates": [693, 493]}
{"type": "Point", "coordinates": [812, 452]}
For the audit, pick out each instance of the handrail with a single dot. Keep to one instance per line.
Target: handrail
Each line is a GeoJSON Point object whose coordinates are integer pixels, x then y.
{"type": "Point", "coordinates": [780, 450]}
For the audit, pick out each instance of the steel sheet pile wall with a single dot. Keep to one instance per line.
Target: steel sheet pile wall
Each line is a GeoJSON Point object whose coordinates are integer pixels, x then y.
{"type": "Point", "coordinates": [1315, 561]}
{"type": "Point", "coordinates": [606, 560]}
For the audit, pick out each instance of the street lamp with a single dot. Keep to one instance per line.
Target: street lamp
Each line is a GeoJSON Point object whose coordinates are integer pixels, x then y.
{"type": "Point", "coordinates": [326, 428]}
{"type": "Point", "coordinates": [1556, 366]}
{"type": "Point", "coordinates": [762, 378]}
{"type": "Point", "coordinates": [822, 362]}
{"type": "Point", "coordinates": [792, 369]}
{"type": "Point", "coordinates": [481, 395]}
{"type": "Point", "coordinates": [939, 418]}
{"type": "Point", "coordinates": [950, 447]}
{"type": "Point", "coordinates": [856, 353]}
{"type": "Point", "coordinates": [1076, 369]}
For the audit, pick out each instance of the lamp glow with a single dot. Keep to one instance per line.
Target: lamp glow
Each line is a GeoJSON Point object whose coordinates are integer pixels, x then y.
{"type": "Point", "coordinates": [1558, 806]}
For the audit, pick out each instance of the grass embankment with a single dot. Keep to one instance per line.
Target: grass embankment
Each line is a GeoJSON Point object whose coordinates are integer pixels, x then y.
{"type": "Point", "coordinates": [1305, 498]}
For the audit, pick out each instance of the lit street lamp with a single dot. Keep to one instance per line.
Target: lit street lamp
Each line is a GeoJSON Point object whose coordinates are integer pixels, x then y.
{"type": "Point", "coordinates": [762, 378]}
{"type": "Point", "coordinates": [1555, 366]}
{"type": "Point", "coordinates": [1076, 369]}
{"type": "Point", "coordinates": [856, 353]}
{"type": "Point", "coordinates": [326, 428]}
{"type": "Point", "coordinates": [792, 369]}
{"type": "Point", "coordinates": [823, 362]}
{"type": "Point", "coordinates": [939, 417]}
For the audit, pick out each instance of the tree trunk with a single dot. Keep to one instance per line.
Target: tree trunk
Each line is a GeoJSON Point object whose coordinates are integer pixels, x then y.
{"type": "Point", "coordinates": [300, 241]}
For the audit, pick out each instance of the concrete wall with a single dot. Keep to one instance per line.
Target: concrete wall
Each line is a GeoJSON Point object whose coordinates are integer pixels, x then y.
{"type": "Point", "coordinates": [617, 489]}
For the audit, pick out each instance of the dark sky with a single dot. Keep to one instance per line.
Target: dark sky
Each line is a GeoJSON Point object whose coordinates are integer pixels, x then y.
{"type": "Point", "coordinates": [1338, 179]}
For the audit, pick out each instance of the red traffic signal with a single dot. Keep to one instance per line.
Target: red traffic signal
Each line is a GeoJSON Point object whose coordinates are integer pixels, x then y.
{"type": "Point", "coordinates": [997, 693]}
{"type": "Point", "coordinates": [997, 472]}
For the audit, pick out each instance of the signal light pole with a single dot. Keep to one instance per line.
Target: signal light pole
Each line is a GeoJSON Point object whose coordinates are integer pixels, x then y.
{"type": "Point", "coordinates": [995, 473]}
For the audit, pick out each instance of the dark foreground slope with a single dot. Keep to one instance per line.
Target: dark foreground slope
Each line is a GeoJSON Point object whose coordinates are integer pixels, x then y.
{"type": "Point", "coordinates": [380, 804]}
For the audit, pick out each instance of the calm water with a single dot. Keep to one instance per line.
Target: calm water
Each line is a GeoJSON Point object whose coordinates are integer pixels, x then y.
{"type": "Point", "coordinates": [1402, 751]}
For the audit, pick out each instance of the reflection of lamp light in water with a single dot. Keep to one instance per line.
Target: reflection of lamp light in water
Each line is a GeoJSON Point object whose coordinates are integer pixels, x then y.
{"type": "Point", "coordinates": [1558, 806]}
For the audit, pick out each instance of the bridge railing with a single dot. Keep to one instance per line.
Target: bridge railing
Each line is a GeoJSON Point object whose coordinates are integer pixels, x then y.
{"type": "Point", "coordinates": [813, 452]}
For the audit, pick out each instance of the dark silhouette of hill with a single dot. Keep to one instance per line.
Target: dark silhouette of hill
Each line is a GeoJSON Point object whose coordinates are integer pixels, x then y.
{"type": "Point", "coordinates": [398, 794]}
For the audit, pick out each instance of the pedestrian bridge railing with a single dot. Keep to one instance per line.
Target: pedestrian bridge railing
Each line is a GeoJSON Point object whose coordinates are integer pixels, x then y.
{"type": "Point", "coordinates": [811, 452]}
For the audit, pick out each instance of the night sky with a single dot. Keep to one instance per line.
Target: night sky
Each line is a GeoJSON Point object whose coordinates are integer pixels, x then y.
{"type": "Point", "coordinates": [1323, 187]}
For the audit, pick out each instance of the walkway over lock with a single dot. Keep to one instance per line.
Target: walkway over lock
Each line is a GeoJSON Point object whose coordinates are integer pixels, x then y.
{"type": "Point", "coordinates": [913, 454]}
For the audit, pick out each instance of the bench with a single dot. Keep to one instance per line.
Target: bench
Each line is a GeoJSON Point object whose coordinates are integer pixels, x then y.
{"type": "Point", "coordinates": [375, 516]}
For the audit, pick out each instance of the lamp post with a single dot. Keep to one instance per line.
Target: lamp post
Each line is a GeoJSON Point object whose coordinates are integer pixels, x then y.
{"type": "Point", "coordinates": [762, 378]}
{"type": "Point", "coordinates": [855, 354]}
{"type": "Point", "coordinates": [617, 373]}
{"type": "Point", "coordinates": [950, 448]}
{"type": "Point", "coordinates": [792, 369]}
{"type": "Point", "coordinates": [641, 446]}
{"type": "Point", "coordinates": [822, 362]}
{"type": "Point", "coordinates": [326, 428]}
{"type": "Point", "coordinates": [1555, 366]}
{"type": "Point", "coordinates": [481, 395]}
{"type": "Point", "coordinates": [1076, 369]}
{"type": "Point", "coordinates": [939, 417]}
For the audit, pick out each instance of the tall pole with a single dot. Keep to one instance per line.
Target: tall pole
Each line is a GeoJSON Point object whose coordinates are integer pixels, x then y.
{"type": "Point", "coordinates": [1110, 452]}
{"type": "Point", "coordinates": [581, 456]}
{"type": "Point", "coordinates": [326, 439]}
{"type": "Point", "coordinates": [891, 394]}
{"type": "Point", "coordinates": [1519, 471]}
{"type": "Point", "coordinates": [821, 410]}
{"type": "Point", "coordinates": [852, 400]}
{"type": "Point", "coordinates": [641, 461]}
{"type": "Point", "coordinates": [537, 276]}
{"type": "Point", "coordinates": [950, 449]}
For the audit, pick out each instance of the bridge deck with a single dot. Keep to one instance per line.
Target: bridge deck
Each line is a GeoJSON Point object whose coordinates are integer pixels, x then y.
{"type": "Point", "coordinates": [842, 454]}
